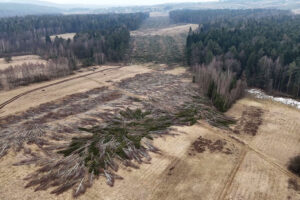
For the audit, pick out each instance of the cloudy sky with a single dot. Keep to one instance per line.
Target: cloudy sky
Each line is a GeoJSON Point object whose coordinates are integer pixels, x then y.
{"type": "Point", "coordinates": [122, 2]}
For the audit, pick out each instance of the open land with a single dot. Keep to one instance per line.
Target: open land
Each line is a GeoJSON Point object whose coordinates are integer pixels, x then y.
{"type": "Point", "coordinates": [195, 162]}
{"type": "Point", "coordinates": [19, 60]}
{"type": "Point", "coordinates": [248, 160]}
{"type": "Point", "coordinates": [64, 36]}
{"type": "Point", "coordinates": [160, 41]}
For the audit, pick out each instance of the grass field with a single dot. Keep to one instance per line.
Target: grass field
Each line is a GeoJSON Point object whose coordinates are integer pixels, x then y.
{"type": "Point", "coordinates": [19, 60]}
{"type": "Point", "coordinates": [65, 36]}
{"type": "Point", "coordinates": [159, 41]}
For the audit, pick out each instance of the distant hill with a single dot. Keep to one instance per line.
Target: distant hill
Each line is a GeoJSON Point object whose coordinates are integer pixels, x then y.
{"type": "Point", "coordinates": [18, 9]}
{"type": "Point", "coordinates": [33, 2]}
{"type": "Point", "coordinates": [36, 7]}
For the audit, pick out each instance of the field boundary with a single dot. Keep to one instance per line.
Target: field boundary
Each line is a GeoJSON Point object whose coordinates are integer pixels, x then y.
{"type": "Point", "coordinates": [52, 84]}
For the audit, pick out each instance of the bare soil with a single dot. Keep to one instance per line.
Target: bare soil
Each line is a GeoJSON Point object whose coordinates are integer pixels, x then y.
{"type": "Point", "coordinates": [250, 121]}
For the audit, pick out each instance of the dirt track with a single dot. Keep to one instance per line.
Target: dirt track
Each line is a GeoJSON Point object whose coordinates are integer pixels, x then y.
{"type": "Point", "coordinates": [33, 95]}
{"type": "Point", "coordinates": [2, 105]}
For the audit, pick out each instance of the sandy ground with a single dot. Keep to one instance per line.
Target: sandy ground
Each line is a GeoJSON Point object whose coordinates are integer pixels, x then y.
{"type": "Point", "coordinates": [65, 36]}
{"type": "Point", "coordinates": [255, 169]}
{"type": "Point", "coordinates": [169, 31]}
{"type": "Point", "coordinates": [19, 60]}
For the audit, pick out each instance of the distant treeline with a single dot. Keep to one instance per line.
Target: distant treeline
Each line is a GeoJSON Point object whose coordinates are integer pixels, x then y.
{"type": "Point", "coordinates": [222, 15]}
{"type": "Point", "coordinates": [8, 9]}
{"type": "Point", "coordinates": [99, 38]}
{"type": "Point", "coordinates": [265, 50]}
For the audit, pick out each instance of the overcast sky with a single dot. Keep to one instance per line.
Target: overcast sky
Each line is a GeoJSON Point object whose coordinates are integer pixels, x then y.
{"type": "Point", "coordinates": [122, 2]}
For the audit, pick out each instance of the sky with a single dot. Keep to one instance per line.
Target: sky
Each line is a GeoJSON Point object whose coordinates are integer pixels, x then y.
{"type": "Point", "coordinates": [122, 2]}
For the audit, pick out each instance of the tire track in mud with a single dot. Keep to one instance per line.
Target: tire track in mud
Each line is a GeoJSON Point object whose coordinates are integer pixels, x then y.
{"type": "Point", "coordinates": [269, 160]}
{"type": "Point", "coordinates": [246, 148]}
{"type": "Point", "coordinates": [264, 157]}
{"type": "Point", "coordinates": [233, 174]}
{"type": "Point", "coordinates": [52, 84]}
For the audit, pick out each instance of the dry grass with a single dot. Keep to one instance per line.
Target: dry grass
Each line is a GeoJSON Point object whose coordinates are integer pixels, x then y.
{"type": "Point", "coordinates": [158, 41]}
{"type": "Point", "coordinates": [275, 143]}
{"type": "Point", "coordinates": [64, 36]}
{"type": "Point", "coordinates": [168, 31]}
{"type": "Point", "coordinates": [19, 60]}
{"type": "Point", "coordinates": [67, 88]}
{"type": "Point", "coordinates": [159, 14]}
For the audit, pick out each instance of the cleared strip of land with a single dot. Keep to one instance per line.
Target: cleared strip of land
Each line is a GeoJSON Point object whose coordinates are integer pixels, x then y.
{"type": "Point", "coordinates": [199, 162]}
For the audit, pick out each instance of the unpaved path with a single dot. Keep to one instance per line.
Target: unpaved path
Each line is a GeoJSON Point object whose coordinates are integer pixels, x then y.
{"type": "Point", "coordinates": [2, 105]}
{"type": "Point", "coordinates": [262, 172]}
{"type": "Point", "coordinates": [23, 98]}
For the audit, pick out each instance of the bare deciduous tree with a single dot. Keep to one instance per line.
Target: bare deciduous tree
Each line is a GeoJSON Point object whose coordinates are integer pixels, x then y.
{"type": "Point", "coordinates": [221, 86]}
{"type": "Point", "coordinates": [27, 73]}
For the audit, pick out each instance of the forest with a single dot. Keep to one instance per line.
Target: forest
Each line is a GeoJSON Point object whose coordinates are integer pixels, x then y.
{"type": "Point", "coordinates": [30, 34]}
{"type": "Point", "coordinates": [228, 16]}
{"type": "Point", "coordinates": [261, 46]}
{"type": "Point", "coordinates": [99, 39]}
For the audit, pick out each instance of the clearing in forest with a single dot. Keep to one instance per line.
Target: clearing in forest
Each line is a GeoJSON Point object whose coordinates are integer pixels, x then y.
{"type": "Point", "coordinates": [64, 36]}
{"type": "Point", "coordinates": [19, 60]}
{"type": "Point", "coordinates": [159, 41]}
{"type": "Point", "coordinates": [187, 162]}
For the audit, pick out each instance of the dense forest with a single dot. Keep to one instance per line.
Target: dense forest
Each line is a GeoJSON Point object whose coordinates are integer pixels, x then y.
{"type": "Point", "coordinates": [99, 39]}
{"type": "Point", "coordinates": [263, 49]}
{"type": "Point", "coordinates": [23, 35]}
{"type": "Point", "coordinates": [226, 16]}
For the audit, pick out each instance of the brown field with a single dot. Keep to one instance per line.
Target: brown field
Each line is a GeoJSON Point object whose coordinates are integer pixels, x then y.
{"type": "Point", "coordinates": [159, 41]}
{"type": "Point", "coordinates": [198, 162]}
{"type": "Point", "coordinates": [65, 36]}
{"type": "Point", "coordinates": [19, 60]}
{"type": "Point", "coordinates": [67, 88]}
{"type": "Point", "coordinates": [168, 31]}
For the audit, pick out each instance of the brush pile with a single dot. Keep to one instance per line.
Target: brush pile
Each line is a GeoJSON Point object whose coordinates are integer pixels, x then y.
{"type": "Point", "coordinates": [123, 139]}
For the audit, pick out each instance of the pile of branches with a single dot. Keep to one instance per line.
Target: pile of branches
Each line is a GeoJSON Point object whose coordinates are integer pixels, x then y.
{"type": "Point", "coordinates": [125, 139]}
{"type": "Point", "coordinates": [33, 134]}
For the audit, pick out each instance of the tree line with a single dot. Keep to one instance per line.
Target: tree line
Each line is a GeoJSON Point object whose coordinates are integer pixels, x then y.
{"type": "Point", "coordinates": [30, 34]}
{"type": "Point", "coordinates": [99, 39]}
{"type": "Point", "coordinates": [226, 16]}
{"type": "Point", "coordinates": [263, 49]}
